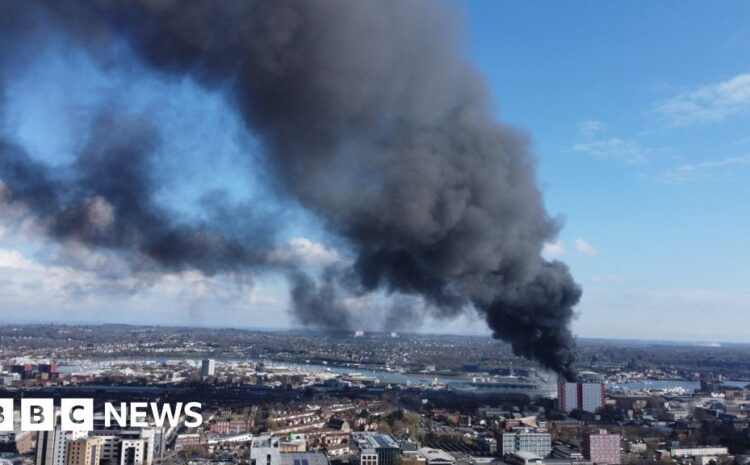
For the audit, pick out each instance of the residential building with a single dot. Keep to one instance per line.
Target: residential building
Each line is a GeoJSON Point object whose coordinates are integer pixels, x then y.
{"type": "Point", "coordinates": [51, 445]}
{"type": "Point", "coordinates": [208, 367]}
{"type": "Point", "coordinates": [293, 443]}
{"type": "Point", "coordinates": [132, 452]}
{"type": "Point", "coordinates": [84, 451]}
{"type": "Point", "coordinates": [586, 393]}
{"type": "Point", "coordinates": [601, 447]}
{"type": "Point", "coordinates": [126, 446]}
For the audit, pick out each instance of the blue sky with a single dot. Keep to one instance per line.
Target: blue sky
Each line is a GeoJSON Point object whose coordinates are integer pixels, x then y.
{"type": "Point", "coordinates": [638, 111]}
{"type": "Point", "coordinates": [639, 115]}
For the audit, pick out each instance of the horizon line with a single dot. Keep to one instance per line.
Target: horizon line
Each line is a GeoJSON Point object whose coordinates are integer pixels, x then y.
{"type": "Point", "coordinates": [590, 339]}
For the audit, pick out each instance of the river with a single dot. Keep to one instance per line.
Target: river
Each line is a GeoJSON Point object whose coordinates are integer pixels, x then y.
{"type": "Point", "coordinates": [392, 377]}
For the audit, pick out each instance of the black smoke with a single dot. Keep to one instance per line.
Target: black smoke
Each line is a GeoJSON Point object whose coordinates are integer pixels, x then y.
{"type": "Point", "coordinates": [106, 199]}
{"type": "Point", "coordinates": [371, 117]}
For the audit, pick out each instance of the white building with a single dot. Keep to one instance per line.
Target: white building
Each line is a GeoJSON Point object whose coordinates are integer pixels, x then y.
{"type": "Point", "coordinates": [526, 440]}
{"type": "Point", "coordinates": [698, 451]}
{"type": "Point", "coordinates": [132, 452]}
{"type": "Point", "coordinates": [51, 445]}
{"type": "Point", "coordinates": [126, 446]}
{"type": "Point", "coordinates": [368, 457]}
{"type": "Point", "coordinates": [208, 367]}
{"type": "Point", "coordinates": [264, 450]}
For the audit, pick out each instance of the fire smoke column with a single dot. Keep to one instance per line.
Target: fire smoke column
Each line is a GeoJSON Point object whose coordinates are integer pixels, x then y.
{"type": "Point", "coordinates": [370, 115]}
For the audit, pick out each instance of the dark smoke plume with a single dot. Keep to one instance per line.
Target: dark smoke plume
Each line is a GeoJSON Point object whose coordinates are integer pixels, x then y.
{"type": "Point", "coordinates": [107, 200]}
{"type": "Point", "coordinates": [370, 116]}
{"type": "Point", "coordinates": [316, 305]}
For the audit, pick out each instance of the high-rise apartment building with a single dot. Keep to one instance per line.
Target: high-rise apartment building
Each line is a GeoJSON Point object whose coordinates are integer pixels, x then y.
{"type": "Point", "coordinates": [45, 447]}
{"type": "Point", "coordinates": [132, 452]}
{"type": "Point", "coordinates": [84, 451]}
{"type": "Point", "coordinates": [601, 448]}
{"type": "Point", "coordinates": [586, 393]}
{"type": "Point", "coordinates": [126, 445]}
{"type": "Point", "coordinates": [51, 445]}
{"type": "Point", "coordinates": [208, 368]}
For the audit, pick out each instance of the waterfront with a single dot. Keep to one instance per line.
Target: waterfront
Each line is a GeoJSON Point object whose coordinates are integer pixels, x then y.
{"type": "Point", "coordinates": [382, 376]}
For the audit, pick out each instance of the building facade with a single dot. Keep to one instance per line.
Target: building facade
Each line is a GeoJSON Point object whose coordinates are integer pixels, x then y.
{"type": "Point", "coordinates": [208, 367]}
{"type": "Point", "coordinates": [698, 451]}
{"type": "Point", "coordinates": [84, 451]}
{"type": "Point", "coordinates": [528, 440]}
{"type": "Point", "coordinates": [601, 447]}
{"type": "Point", "coordinates": [586, 393]}
{"type": "Point", "coordinates": [51, 445]}
{"type": "Point", "coordinates": [385, 447]}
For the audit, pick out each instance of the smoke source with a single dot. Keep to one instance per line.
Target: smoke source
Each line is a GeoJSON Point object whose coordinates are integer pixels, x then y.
{"type": "Point", "coordinates": [370, 115]}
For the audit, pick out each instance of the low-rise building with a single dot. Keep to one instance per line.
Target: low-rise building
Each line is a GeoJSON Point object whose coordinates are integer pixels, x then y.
{"type": "Point", "coordinates": [264, 450]}
{"type": "Point", "coordinates": [526, 440]}
{"type": "Point", "coordinates": [523, 458]}
{"type": "Point", "coordinates": [304, 458]}
{"type": "Point", "coordinates": [385, 447]}
{"type": "Point", "coordinates": [436, 456]}
{"type": "Point", "coordinates": [698, 451]}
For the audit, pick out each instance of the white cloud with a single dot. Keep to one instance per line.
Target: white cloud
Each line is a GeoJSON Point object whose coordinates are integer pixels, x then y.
{"type": "Point", "coordinates": [628, 151]}
{"type": "Point", "coordinates": [670, 313]}
{"type": "Point", "coordinates": [712, 102]}
{"type": "Point", "coordinates": [590, 126]}
{"type": "Point", "coordinates": [703, 170]}
{"type": "Point", "coordinates": [553, 249]}
{"type": "Point", "coordinates": [608, 279]}
{"type": "Point", "coordinates": [89, 281]}
{"type": "Point", "coordinates": [585, 248]}
{"type": "Point", "coordinates": [43, 280]}
{"type": "Point", "coordinates": [303, 251]}
{"type": "Point", "coordinates": [14, 260]}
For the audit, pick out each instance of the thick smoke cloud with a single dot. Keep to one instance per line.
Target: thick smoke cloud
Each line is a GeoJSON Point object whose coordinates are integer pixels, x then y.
{"type": "Point", "coordinates": [107, 200]}
{"type": "Point", "coordinates": [371, 117]}
{"type": "Point", "coordinates": [317, 304]}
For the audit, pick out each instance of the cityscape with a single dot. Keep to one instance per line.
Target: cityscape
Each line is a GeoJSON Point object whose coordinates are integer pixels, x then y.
{"type": "Point", "coordinates": [374, 232]}
{"type": "Point", "coordinates": [283, 397]}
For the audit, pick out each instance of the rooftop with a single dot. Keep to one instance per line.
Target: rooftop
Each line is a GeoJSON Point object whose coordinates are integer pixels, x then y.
{"type": "Point", "coordinates": [304, 458]}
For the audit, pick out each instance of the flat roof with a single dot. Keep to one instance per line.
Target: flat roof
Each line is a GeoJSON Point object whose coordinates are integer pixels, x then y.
{"type": "Point", "coordinates": [304, 458]}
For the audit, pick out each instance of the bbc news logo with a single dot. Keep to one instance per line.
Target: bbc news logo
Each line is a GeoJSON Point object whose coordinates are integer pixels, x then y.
{"type": "Point", "coordinates": [78, 414]}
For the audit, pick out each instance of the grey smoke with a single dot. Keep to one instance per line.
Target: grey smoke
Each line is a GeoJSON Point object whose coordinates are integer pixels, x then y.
{"type": "Point", "coordinates": [371, 117]}
{"type": "Point", "coordinates": [317, 305]}
{"type": "Point", "coordinates": [107, 200]}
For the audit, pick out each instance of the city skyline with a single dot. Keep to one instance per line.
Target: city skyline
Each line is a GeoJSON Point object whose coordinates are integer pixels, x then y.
{"type": "Point", "coordinates": [374, 232]}
{"type": "Point", "coordinates": [640, 145]}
